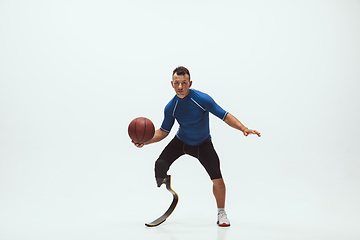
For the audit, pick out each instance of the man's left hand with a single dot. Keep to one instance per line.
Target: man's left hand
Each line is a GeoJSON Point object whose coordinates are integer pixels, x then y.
{"type": "Point", "coordinates": [249, 131]}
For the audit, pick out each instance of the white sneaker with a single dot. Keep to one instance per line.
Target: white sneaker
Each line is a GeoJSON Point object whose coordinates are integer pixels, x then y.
{"type": "Point", "coordinates": [223, 221]}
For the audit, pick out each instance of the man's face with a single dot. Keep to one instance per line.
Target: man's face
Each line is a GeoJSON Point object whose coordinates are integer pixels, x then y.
{"type": "Point", "coordinates": [181, 85]}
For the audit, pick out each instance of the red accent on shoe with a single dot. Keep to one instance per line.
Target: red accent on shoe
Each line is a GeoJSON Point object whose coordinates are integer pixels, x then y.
{"type": "Point", "coordinates": [223, 225]}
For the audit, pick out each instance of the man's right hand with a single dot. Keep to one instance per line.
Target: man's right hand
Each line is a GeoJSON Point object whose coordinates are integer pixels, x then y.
{"type": "Point", "coordinates": [139, 145]}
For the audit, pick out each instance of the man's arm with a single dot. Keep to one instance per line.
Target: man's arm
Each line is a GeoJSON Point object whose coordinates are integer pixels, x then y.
{"type": "Point", "coordinates": [232, 121]}
{"type": "Point", "coordinates": [158, 136]}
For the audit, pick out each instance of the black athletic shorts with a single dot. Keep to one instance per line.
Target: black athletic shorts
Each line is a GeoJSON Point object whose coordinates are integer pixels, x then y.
{"type": "Point", "coordinates": [205, 153]}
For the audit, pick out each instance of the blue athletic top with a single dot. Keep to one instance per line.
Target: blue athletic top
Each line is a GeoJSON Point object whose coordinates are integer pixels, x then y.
{"type": "Point", "coordinates": [192, 114]}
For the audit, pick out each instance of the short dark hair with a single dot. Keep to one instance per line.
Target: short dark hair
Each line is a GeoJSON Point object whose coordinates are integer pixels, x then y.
{"type": "Point", "coordinates": [181, 71]}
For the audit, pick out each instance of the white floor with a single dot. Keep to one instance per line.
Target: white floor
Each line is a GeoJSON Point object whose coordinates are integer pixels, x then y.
{"type": "Point", "coordinates": [86, 202]}
{"type": "Point", "coordinates": [174, 229]}
{"type": "Point", "coordinates": [31, 219]}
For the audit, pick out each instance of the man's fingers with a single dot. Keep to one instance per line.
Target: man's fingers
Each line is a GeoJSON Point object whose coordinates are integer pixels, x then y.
{"type": "Point", "coordinates": [257, 133]}
{"type": "Point", "coordinates": [139, 145]}
{"type": "Point", "coordinates": [246, 133]}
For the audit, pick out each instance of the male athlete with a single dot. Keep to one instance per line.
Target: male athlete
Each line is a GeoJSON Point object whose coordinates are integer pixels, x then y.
{"type": "Point", "coordinates": [191, 110]}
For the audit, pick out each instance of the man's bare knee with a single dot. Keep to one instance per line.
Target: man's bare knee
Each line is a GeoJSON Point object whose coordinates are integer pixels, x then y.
{"type": "Point", "coordinates": [219, 183]}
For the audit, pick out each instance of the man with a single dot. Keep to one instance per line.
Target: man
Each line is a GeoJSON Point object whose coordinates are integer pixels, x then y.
{"type": "Point", "coordinates": [191, 110]}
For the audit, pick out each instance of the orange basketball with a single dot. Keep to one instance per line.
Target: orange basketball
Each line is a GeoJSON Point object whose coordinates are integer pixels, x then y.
{"type": "Point", "coordinates": [141, 130]}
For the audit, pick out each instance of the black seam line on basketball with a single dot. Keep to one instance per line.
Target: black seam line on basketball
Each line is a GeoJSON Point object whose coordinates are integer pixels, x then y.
{"type": "Point", "coordinates": [149, 138]}
{"type": "Point", "coordinates": [135, 131]}
{"type": "Point", "coordinates": [144, 130]}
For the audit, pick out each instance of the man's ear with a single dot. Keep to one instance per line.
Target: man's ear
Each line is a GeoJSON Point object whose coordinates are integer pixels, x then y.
{"type": "Point", "coordinates": [190, 84]}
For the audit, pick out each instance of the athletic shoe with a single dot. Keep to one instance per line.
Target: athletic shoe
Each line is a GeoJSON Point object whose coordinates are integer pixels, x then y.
{"type": "Point", "coordinates": [223, 221]}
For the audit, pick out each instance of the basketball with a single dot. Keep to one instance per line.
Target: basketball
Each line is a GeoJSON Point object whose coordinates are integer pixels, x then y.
{"type": "Point", "coordinates": [141, 130]}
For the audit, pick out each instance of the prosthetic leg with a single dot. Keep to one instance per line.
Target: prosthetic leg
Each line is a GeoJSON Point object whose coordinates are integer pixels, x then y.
{"type": "Point", "coordinates": [167, 182]}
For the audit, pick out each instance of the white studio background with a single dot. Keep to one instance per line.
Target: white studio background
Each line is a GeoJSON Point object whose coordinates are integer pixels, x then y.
{"type": "Point", "coordinates": [73, 74]}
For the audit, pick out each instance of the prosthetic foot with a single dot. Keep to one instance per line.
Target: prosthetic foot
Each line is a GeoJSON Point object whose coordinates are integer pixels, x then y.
{"type": "Point", "coordinates": [170, 210]}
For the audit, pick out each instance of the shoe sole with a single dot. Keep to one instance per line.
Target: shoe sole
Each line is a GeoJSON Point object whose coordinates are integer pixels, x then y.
{"type": "Point", "coordinates": [223, 225]}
